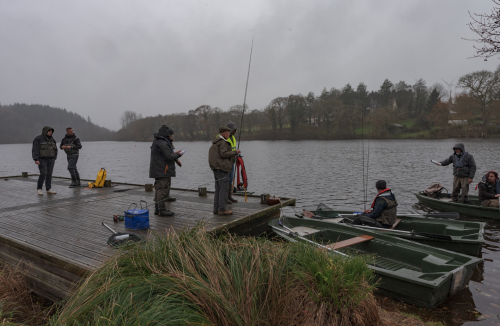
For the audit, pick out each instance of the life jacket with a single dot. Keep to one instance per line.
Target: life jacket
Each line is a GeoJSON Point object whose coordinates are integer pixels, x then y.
{"type": "Point", "coordinates": [99, 181]}
{"type": "Point", "coordinates": [241, 165]}
{"type": "Point", "coordinates": [389, 214]}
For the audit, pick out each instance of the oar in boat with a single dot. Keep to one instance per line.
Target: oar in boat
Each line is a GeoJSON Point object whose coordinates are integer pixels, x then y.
{"type": "Point", "coordinates": [421, 234]}
{"type": "Point", "coordinates": [296, 235]}
{"type": "Point", "coordinates": [437, 215]}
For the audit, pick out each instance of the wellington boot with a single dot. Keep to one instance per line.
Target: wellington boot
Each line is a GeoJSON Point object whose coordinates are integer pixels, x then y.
{"type": "Point", "coordinates": [73, 181]}
{"type": "Point", "coordinates": [232, 199]}
{"type": "Point", "coordinates": [166, 213]}
{"type": "Point", "coordinates": [225, 212]}
{"type": "Point", "coordinates": [77, 182]}
{"type": "Point", "coordinates": [156, 209]}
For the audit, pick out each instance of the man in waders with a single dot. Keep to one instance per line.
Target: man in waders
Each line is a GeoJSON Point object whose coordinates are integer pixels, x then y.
{"type": "Point", "coordinates": [383, 211]}
{"type": "Point", "coordinates": [72, 145]}
{"type": "Point", "coordinates": [232, 139]}
{"type": "Point", "coordinates": [220, 158]}
{"type": "Point", "coordinates": [44, 153]}
{"type": "Point", "coordinates": [162, 168]}
{"type": "Point", "coordinates": [464, 169]}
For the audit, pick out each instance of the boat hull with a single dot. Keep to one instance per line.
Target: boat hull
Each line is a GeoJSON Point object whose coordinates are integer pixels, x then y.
{"type": "Point", "coordinates": [412, 272]}
{"type": "Point", "coordinates": [448, 206]}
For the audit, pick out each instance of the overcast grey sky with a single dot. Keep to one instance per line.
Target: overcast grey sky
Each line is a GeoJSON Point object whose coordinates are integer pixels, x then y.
{"type": "Point", "coordinates": [101, 58]}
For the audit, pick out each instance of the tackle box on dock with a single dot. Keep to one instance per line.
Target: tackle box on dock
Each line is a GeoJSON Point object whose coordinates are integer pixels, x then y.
{"type": "Point", "coordinates": [137, 219]}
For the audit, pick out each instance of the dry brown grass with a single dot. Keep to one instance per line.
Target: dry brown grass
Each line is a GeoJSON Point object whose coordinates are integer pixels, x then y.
{"type": "Point", "coordinates": [17, 303]}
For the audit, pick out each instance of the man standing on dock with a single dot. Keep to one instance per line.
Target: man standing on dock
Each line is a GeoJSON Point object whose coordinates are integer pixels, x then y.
{"type": "Point", "coordinates": [232, 139]}
{"type": "Point", "coordinates": [44, 153]}
{"type": "Point", "coordinates": [72, 145]}
{"type": "Point", "coordinates": [464, 169]}
{"type": "Point", "coordinates": [162, 168]}
{"type": "Point", "coordinates": [220, 158]}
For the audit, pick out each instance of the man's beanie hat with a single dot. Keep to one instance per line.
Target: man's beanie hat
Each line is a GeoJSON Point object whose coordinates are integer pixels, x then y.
{"type": "Point", "coordinates": [223, 129]}
{"type": "Point", "coordinates": [381, 184]}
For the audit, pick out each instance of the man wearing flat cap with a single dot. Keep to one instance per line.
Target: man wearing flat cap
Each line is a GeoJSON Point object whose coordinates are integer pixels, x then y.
{"type": "Point", "coordinates": [162, 168]}
{"type": "Point", "coordinates": [220, 158]}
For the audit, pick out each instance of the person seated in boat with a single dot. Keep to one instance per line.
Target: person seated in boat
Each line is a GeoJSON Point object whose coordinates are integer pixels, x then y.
{"type": "Point", "coordinates": [488, 194]}
{"type": "Point", "coordinates": [383, 211]}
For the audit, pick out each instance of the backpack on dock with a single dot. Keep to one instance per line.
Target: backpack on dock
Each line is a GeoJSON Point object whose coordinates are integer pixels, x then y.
{"type": "Point", "coordinates": [99, 181]}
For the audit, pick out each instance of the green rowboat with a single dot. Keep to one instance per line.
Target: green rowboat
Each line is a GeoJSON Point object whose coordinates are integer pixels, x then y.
{"type": "Point", "coordinates": [412, 272]}
{"type": "Point", "coordinates": [465, 237]}
{"type": "Point", "coordinates": [445, 204]}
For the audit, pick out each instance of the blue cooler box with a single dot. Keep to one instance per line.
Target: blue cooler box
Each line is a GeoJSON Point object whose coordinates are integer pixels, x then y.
{"type": "Point", "coordinates": [137, 219]}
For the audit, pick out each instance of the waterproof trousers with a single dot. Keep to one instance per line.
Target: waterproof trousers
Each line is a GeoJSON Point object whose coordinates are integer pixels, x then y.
{"type": "Point", "coordinates": [231, 178]}
{"type": "Point", "coordinates": [46, 167]}
{"type": "Point", "coordinates": [221, 190]}
{"type": "Point", "coordinates": [73, 171]}
{"type": "Point", "coordinates": [162, 192]}
{"type": "Point", "coordinates": [460, 184]}
{"type": "Point", "coordinates": [368, 221]}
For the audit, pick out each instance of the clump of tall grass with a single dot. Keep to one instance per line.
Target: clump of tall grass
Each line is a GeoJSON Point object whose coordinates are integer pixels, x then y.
{"type": "Point", "coordinates": [17, 303]}
{"type": "Point", "coordinates": [194, 278]}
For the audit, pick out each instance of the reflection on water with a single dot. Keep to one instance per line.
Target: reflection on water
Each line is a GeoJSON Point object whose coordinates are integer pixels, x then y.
{"type": "Point", "coordinates": [315, 171]}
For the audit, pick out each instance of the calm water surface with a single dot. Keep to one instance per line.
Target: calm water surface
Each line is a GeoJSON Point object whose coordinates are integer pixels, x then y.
{"type": "Point", "coordinates": [329, 172]}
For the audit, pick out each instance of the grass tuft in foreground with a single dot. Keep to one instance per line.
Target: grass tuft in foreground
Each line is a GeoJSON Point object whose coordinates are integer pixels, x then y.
{"type": "Point", "coordinates": [194, 278]}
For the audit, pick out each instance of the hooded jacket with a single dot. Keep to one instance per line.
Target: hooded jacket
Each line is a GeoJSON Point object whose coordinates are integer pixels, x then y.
{"type": "Point", "coordinates": [72, 141]}
{"type": "Point", "coordinates": [44, 146]}
{"type": "Point", "coordinates": [487, 190]}
{"type": "Point", "coordinates": [162, 162]}
{"type": "Point", "coordinates": [466, 165]}
{"type": "Point", "coordinates": [220, 154]}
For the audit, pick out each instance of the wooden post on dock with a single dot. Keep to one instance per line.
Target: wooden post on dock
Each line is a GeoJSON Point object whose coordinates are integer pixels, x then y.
{"type": "Point", "coordinates": [148, 187]}
{"type": "Point", "coordinates": [263, 198]}
{"type": "Point", "coordinates": [202, 191]}
{"type": "Point", "coordinates": [107, 183]}
{"type": "Point", "coordinates": [24, 174]}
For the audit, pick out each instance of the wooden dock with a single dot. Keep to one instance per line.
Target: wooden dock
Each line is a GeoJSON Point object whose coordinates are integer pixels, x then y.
{"type": "Point", "coordinates": [58, 239]}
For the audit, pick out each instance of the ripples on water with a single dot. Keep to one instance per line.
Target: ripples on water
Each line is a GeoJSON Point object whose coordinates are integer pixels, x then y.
{"type": "Point", "coordinates": [312, 172]}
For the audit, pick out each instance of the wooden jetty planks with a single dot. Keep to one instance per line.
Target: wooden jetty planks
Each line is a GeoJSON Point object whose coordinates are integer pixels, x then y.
{"type": "Point", "coordinates": [58, 239]}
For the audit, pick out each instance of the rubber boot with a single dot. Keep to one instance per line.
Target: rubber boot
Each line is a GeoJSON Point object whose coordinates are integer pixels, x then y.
{"type": "Point", "coordinates": [73, 181]}
{"type": "Point", "coordinates": [156, 208]}
{"type": "Point", "coordinates": [77, 183]}
{"type": "Point", "coordinates": [231, 198]}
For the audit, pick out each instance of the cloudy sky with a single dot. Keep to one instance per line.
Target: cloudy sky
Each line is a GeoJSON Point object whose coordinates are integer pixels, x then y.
{"type": "Point", "coordinates": [101, 58]}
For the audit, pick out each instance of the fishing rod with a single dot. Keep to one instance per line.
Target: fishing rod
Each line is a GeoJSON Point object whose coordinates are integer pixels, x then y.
{"type": "Point", "coordinates": [243, 112]}
{"type": "Point", "coordinates": [245, 98]}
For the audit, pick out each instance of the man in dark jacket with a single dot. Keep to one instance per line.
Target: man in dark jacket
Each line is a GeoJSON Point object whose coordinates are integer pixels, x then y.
{"type": "Point", "coordinates": [162, 168]}
{"type": "Point", "coordinates": [383, 211]}
{"type": "Point", "coordinates": [220, 160]}
{"type": "Point", "coordinates": [488, 195]}
{"type": "Point", "coordinates": [72, 145]}
{"type": "Point", "coordinates": [44, 153]}
{"type": "Point", "coordinates": [464, 169]}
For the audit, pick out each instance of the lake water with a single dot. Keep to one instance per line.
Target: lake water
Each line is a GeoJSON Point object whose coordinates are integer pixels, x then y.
{"type": "Point", "coordinates": [313, 172]}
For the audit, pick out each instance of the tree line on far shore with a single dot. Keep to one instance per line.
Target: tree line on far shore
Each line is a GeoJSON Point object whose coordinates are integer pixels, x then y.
{"type": "Point", "coordinates": [21, 123]}
{"type": "Point", "coordinates": [394, 110]}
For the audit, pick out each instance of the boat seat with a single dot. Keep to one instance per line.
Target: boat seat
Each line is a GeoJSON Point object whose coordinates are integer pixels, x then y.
{"type": "Point", "coordinates": [349, 242]}
{"type": "Point", "coordinates": [395, 223]}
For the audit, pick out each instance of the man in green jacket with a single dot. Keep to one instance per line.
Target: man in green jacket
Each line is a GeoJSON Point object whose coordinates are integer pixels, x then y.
{"type": "Point", "coordinates": [44, 153]}
{"type": "Point", "coordinates": [220, 160]}
{"type": "Point", "coordinates": [162, 168]}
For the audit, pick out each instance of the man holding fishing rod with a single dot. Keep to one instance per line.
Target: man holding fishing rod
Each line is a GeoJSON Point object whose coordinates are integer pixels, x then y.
{"type": "Point", "coordinates": [162, 168]}
{"type": "Point", "coordinates": [220, 159]}
{"type": "Point", "coordinates": [232, 139]}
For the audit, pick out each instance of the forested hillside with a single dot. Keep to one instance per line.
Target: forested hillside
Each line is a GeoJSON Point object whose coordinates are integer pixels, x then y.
{"type": "Point", "coordinates": [395, 110]}
{"type": "Point", "coordinates": [21, 123]}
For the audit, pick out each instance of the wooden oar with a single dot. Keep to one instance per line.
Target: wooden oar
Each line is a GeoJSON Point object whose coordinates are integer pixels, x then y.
{"type": "Point", "coordinates": [421, 234]}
